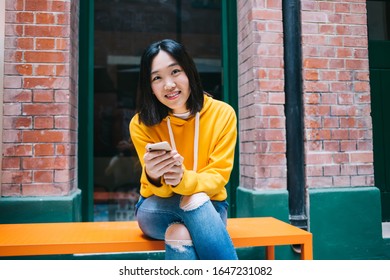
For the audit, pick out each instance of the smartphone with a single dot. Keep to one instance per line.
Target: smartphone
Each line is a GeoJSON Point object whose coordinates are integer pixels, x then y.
{"type": "Point", "coordinates": [158, 146]}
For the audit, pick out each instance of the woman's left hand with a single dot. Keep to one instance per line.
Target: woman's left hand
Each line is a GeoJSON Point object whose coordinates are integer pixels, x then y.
{"type": "Point", "coordinates": [175, 174]}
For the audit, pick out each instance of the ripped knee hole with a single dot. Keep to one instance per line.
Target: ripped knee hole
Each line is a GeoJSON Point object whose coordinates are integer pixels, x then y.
{"type": "Point", "coordinates": [178, 235]}
{"type": "Point", "coordinates": [191, 202]}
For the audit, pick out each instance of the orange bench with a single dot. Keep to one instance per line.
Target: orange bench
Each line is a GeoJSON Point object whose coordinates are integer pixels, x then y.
{"type": "Point", "coordinates": [105, 237]}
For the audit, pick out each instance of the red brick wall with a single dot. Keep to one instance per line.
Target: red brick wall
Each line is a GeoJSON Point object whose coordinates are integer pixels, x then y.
{"type": "Point", "coordinates": [338, 132]}
{"type": "Point", "coordinates": [337, 94]}
{"type": "Point", "coordinates": [261, 96]}
{"type": "Point", "coordinates": [40, 98]}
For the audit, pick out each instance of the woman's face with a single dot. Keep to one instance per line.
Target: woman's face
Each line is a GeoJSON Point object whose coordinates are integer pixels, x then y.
{"type": "Point", "coordinates": [169, 82]}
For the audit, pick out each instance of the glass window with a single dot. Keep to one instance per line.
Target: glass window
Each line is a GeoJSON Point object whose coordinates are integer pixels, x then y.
{"type": "Point", "coordinates": [123, 28]}
{"type": "Point", "coordinates": [378, 20]}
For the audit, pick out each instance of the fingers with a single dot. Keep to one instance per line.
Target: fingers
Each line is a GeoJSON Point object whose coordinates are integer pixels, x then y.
{"type": "Point", "coordinates": [174, 175]}
{"type": "Point", "coordinates": [179, 159]}
{"type": "Point", "coordinates": [168, 165]}
{"type": "Point", "coordinates": [157, 163]}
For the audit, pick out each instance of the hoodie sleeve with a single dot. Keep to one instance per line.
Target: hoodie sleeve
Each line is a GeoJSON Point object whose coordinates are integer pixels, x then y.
{"type": "Point", "coordinates": [213, 177]}
{"type": "Point", "coordinates": [141, 135]}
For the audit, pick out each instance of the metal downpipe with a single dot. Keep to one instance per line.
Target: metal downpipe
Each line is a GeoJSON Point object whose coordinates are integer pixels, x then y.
{"type": "Point", "coordinates": [294, 112]}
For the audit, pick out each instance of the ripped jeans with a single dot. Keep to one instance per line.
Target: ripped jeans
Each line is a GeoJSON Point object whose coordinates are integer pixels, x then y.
{"type": "Point", "coordinates": [193, 227]}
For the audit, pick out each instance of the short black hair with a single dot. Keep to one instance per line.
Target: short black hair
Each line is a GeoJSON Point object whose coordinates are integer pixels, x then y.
{"type": "Point", "coordinates": [151, 110]}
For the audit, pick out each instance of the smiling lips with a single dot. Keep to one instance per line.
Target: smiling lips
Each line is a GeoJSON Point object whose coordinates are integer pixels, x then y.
{"type": "Point", "coordinates": [172, 95]}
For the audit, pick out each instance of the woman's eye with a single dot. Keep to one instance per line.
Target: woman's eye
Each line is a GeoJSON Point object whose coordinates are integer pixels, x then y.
{"type": "Point", "coordinates": [155, 78]}
{"type": "Point", "coordinates": [176, 71]}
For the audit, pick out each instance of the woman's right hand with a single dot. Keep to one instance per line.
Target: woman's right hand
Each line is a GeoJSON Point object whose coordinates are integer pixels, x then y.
{"type": "Point", "coordinates": [157, 163]}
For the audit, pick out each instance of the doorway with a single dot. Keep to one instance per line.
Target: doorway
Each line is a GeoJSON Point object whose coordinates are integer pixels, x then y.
{"type": "Point", "coordinates": [378, 14]}
{"type": "Point", "coordinates": [109, 170]}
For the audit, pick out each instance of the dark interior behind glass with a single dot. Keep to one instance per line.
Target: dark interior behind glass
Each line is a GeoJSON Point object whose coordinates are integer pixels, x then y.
{"type": "Point", "coordinates": [123, 28]}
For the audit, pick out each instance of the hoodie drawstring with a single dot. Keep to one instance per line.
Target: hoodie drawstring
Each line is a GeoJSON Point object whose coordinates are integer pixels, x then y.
{"type": "Point", "coordinates": [171, 138]}
{"type": "Point", "coordinates": [196, 142]}
{"type": "Point", "coordinates": [196, 139]}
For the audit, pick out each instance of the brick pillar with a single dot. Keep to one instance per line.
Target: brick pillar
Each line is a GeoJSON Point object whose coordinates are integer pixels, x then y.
{"type": "Point", "coordinates": [339, 148]}
{"type": "Point", "coordinates": [40, 98]}
{"type": "Point", "coordinates": [261, 95]}
{"type": "Point", "coordinates": [338, 130]}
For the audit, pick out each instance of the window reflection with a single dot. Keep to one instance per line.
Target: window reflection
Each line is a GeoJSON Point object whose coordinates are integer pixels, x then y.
{"type": "Point", "coordinates": [123, 28]}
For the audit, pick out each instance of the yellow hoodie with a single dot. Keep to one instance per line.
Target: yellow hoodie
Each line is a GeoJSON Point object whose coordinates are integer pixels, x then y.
{"type": "Point", "coordinates": [215, 146]}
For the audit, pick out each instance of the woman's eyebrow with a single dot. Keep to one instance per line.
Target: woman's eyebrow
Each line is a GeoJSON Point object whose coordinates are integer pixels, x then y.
{"type": "Point", "coordinates": [173, 64]}
{"type": "Point", "coordinates": [170, 65]}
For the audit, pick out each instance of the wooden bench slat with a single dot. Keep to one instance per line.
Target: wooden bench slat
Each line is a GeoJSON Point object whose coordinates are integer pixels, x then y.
{"type": "Point", "coordinates": [104, 237]}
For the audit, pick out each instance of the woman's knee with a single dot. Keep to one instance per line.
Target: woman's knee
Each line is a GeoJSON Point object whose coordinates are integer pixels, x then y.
{"type": "Point", "coordinates": [191, 202]}
{"type": "Point", "coordinates": [178, 235]}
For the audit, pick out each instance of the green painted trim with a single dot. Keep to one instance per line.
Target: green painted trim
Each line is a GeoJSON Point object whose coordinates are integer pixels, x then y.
{"type": "Point", "coordinates": [86, 103]}
{"type": "Point", "coordinates": [230, 53]}
{"type": "Point", "coordinates": [230, 85]}
{"type": "Point", "coordinates": [41, 209]}
{"type": "Point", "coordinates": [262, 203]}
{"type": "Point", "coordinates": [346, 223]}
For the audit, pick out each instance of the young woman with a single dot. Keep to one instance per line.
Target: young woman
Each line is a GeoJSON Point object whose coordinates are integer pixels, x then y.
{"type": "Point", "coordinates": [183, 195]}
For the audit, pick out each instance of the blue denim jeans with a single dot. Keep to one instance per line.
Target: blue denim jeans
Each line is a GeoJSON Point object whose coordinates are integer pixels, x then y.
{"type": "Point", "coordinates": [206, 225]}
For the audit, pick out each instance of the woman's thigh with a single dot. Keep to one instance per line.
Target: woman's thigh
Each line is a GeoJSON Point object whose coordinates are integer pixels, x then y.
{"type": "Point", "coordinates": [154, 214]}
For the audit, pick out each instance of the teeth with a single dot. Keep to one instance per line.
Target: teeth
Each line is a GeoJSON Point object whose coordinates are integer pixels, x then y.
{"type": "Point", "coordinates": [172, 94]}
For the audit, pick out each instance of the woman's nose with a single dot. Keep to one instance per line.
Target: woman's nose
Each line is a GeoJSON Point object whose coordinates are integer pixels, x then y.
{"type": "Point", "coordinates": [169, 85]}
